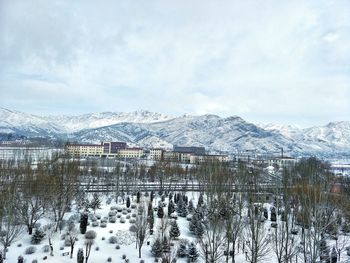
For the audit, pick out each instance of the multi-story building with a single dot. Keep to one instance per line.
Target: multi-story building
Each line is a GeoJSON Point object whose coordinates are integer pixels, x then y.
{"type": "Point", "coordinates": [130, 153]}
{"type": "Point", "coordinates": [82, 150]}
{"type": "Point", "coordinates": [192, 149]}
{"type": "Point", "coordinates": [156, 154]}
{"type": "Point", "coordinates": [197, 159]}
{"type": "Point", "coordinates": [113, 147]}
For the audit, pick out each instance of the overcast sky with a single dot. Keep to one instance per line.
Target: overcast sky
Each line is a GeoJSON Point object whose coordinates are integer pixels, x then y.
{"type": "Point", "coordinates": [266, 61]}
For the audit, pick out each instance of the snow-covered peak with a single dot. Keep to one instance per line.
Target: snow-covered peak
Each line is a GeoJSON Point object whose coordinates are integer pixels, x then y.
{"type": "Point", "coordinates": [96, 120]}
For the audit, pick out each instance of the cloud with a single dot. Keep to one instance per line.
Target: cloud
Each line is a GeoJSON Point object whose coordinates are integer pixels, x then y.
{"type": "Point", "coordinates": [266, 61]}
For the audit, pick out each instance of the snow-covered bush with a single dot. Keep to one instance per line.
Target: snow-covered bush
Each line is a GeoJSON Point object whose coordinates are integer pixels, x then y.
{"type": "Point", "coordinates": [132, 220]}
{"type": "Point", "coordinates": [46, 248]}
{"type": "Point", "coordinates": [133, 206]}
{"type": "Point", "coordinates": [103, 224]}
{"type": "Point", "coordinates": [34, 261]}
{"type": "Point", "coordinates": [124, 212]}
{"type": "Point", "coordinates": [38, 236]}
{"type": "Point", "coordinates": [112, 240]}
{"type": "Point", "coordinates": [117, 247]}
{"type": "Point", "coordinates": [109, 259]}
{"type": "Point", "coordinates": [133, 214]}
{"type": "Point", "coordinates": [122, 220]}
{"type": "Point", "coordinates": [112, 213]}
{"type": "Point", "coordinates": [30, 250]}
{"type": "Point", "coordinates": [119, 215]}
{"type": "Point", "coordinates": [94, 224]}
{"type": "Point", "coordinates": [127, 217]}
{"type": "Point", "coordinates": [91, 234]}
{"type": "Point", "coordinates": [112, 219]}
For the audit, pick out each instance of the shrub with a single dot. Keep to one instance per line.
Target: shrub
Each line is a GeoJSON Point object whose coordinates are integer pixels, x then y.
{"type": "Point", "coordinates": [103, 238]}
{"type": "Point", "coordinates": [97, 248]}
{"type": "Point", "coordinates": [19, 245]}
{"type": "Point", "coordinates": [30, 250]}
{"type": "Point", "coordinates": [109, 259]}
{"type": "Point", "coordinates": [117, 247]}
{"type": "Point", "coordinates": [111, 231]}
{"type": "Point", "coordinates": [112, 240]}
{"type": "Point", "coordinates": [91, 234]}
{"type": "Point", "coordinates": [124, 256]}
{"type": "Point", "coordinates": [20, 259]}
{"type": "Point", "coordinates": [112, 213]}
{"type": "Point", "coordinates": [119, 215]}
{"type": "Point", "coordinates": [94, 224]}
{"type": "Point", "coordinates": [132, 220]}
{"type": "Point", "coordinates": [133, 206]}
{"type": "Point", "coordinates": [125, 212]}
{"type": "Point", "coordinates": [122, 220]}
{"type": "Point", "coordinates": [61, 248]}
{"type": "Point", "coordinates": [133, 214]}
{"type": "Point", "coordinates": [112, 219]}
{"type": "Point", "coordinates": [46, 248]}
{"type": "Point", "coordinates": [34, 261]}
{"type": "Point", "coordinates": [103, 224]}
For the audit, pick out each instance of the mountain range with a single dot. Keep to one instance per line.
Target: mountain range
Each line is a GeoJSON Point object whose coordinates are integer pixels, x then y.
{"type": "Point", "coordinates": [149, 129]}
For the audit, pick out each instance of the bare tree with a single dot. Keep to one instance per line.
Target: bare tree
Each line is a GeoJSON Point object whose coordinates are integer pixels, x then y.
{"type": "Point", "coordinates": [72, 235]}
{"type": "Point", "coordinates": [10, 228]}
{"type": "Point", "coordinates": [141, 226]}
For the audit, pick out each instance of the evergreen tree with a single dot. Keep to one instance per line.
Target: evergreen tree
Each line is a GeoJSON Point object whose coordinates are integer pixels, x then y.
{"type": "Point", "coordinates": [190, 207]}
{"type": "Point", "coordinates": [1, 258]}
{"type": "Point", "coordinates": [38, 236]}
{"type": "Point", "coordinates": [83, 223]}
{"type": "Point", "coordinates": [182, 250]}
{"type": "Point", "coordinates": [171, 208]}
{"type": "Point", "coordinates": [192, 252]}
{"type": "Point", "coordinates": [165, 245]}
{"type": "Point", "coordinates": [199, 229]}
{"type": "Point", "coordinates": [138, 195]}
{"type": "Point", "coordinates": [174, 230]}
{"type": "Point", "coordinates": [180, 206]}
{"type": "Point", "coordinates": [157, 248]}
{"type": "Point", "coordinates": [200, 200]}
{"type": "Point", "coordinates": [20, 259]}
{"type": "Point", "coordinates": [160, 212]}
{"type": "Point", "coordinates": [80, 256]}
{"type": "Point", "coordinates": [128, 202]}
{"type": "Point", "coordinates": [334, 255]}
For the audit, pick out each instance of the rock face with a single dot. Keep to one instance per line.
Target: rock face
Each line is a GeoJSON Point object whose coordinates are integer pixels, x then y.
{"type": "Point", "coordinates": [148, 129]}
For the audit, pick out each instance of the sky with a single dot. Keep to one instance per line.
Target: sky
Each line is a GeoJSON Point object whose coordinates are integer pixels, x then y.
{"type": "Point", "coordinates": [265, 61]}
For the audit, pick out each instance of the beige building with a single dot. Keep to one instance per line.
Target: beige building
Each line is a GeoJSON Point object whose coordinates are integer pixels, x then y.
{"type": "Point", "coordinates": [81, 150]}
{"type": "Point", "coordinates": [130, 153]}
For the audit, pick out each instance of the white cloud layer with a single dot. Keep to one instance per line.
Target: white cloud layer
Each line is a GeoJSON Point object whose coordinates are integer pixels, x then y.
{"type": "Point", "coordinates": [280, 61]}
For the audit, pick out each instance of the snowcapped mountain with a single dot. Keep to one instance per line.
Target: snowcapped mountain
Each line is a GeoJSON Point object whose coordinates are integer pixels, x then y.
{"type": "Point", "coordinates": [147, 129]}
{"type": "Point", "coordinates": [26, 124]}
{"type": "Point", "coordinates": [95, 120]}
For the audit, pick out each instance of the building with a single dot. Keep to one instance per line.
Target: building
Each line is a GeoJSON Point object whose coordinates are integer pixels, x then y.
{"type": "Point", "coordinates": [192, 150]}
{"type": "Point", "coordinates": [197, 159]}
{"type": "Point", "coordinates": [156, 154]}
{"type": "Point", "coordinates": [113, 147]}
{"type": "Point", "coordinates": [130, 153]}
{"type": "Point", "coordinates": [83, 150]}
{"type": "Point", "coordinates": [282, 162]}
